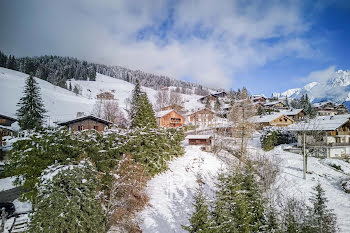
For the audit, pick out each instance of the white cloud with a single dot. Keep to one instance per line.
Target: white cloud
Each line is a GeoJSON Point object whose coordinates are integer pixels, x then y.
{"type": "Point", "coordinates": [320, 76]}
{"type": "Point", "coordinates": [209, 41]}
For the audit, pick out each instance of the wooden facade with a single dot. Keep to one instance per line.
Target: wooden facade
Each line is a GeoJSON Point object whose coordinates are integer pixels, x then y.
{"type": "Point", "coordinates": [105, 96]}
{"type": "Point", "coordinates": [6, 120]}
{"type": "Point", "coordinates": [87, 122]}
{"type": "Point", "coordinates": [282, 121]}
{"type": "Point", "coordinates": [199, 141]}
{"type": "Point", "coordinates": [203, 116]}
{"type": "Point", "coordinates": [175, 107]}
{"type": "Point", "coordinates": [169, 118]}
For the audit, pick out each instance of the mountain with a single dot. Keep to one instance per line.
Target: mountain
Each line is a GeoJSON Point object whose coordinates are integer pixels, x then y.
{"type": "Point", "coordinates": [63, 104]}
{"type": "Point", "coordinates": [57, 70]}
{"type": "Point", "coordinates": [335, 89]}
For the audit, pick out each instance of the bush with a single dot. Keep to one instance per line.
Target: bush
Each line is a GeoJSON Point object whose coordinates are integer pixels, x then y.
{"type": "Point", "coordinates": [337, 167]}
{"type": "Point", "coordinates": [273, 136]}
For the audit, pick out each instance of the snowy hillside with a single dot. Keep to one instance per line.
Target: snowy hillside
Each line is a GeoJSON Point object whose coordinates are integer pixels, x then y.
{"type": "Point", "coordinates": [335, 89]}
{"type": "Point", "coordinates": [63, 104]}
{"type": "Point", "coordinates": [60, 103]}
{"type": "Point", "coordinates": [123, 90]}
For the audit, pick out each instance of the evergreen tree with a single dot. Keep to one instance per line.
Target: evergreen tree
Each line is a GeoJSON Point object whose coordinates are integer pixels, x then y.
{"type": "Point", "coordinates": [3, 59]}
{"type": "Point", "coordinates": [199, 221]}
{"type": "Point", "coordinates": [141, 112]}
{"type": "Point", "coordinates": [272, 224]}
{"type": "Point", "coordinates": [76, 90]}
{"type": "Point", "coordinates": [320, 219]}
{"type": "Point", "coordinates": [31, 107]}
{"type": "Point", "coordinates": [207, 104]}
{"type": "Point", "coordinates": [217, 105]}
{"type": "Point", "coordinates": [70, 86]}
{"type": "Point", "coordinates": [67, 202]}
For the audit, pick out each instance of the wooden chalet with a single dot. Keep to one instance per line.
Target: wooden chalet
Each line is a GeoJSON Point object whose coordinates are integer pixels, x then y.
{"type": "Point", "coordinates": [274, 105]}
{"type": "Point", "coordinates": [169, 118]}
{"type": "Point", "coordinates": [276, 119]}
{"type": "Point", "coordinates": [5, 126]}
{"type": "Point", "coordinates": [201, 140]}
{"type": "Point", "coordinates": [105, 96]}
{"type": "Point", "coordinates": [295, 114]}
{"type": "Point", "coordinates": [175, 107]}
{"type": "Point", "coordinates": [207, 98]}
{"type": "Point", "coordinates": [330, 109]}
{"type": "Point", "coordinates": [258, 99]}
{"type": "Point", "coordinates": [202, 116]}
{"type": "Point", "coordinates": [87, 122]}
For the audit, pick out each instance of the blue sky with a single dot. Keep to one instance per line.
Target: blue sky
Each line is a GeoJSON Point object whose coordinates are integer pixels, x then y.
{"type": "Point", "coordinates": [266, 46]}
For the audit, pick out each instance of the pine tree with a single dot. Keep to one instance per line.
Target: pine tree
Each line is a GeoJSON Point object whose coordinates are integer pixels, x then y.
{"type": "Point", "coordinates": [67, 202]}
{"type": "Point", "coordinates": [31, 107]}
{"type": "Point", "coordinates": [199, 221]}
{"type": "Point", "coordinates": [320, 219]}
{"type": "Point", "coordinates": [141, 112]}
{"type": "Point", "coordinates": [76, 90]}
{"type": "Point", "coordinates": [207, 104]}
{"type": "Point", "coordinates": [217, 105]}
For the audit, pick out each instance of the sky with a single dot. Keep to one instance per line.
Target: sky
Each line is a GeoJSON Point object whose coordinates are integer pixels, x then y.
{"type": "Point", "coordinates": [267, 46]}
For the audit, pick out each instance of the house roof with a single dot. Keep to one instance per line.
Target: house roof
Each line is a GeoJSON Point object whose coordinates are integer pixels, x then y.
{"type": "Point", "coordinates": [292, 112]}
{"type": "Point", "coordinates": [321, 123]}
{"type": "Point", "coordinates": [198, 136]}
{"type": "Point", "coordinates": [90, 117]}
{"type": "Point", "coordinates": [7, 117]}
{"type": "Point", "coordinates": [267, 118]}
{"type": "Point", "coordinates": [6, 127]}
{"type": "Point", "coordinates": [272, 103]}
{"type": "Point", "coordinates": [165, 112]}
{"type": "Point", "coordinates": [197, 110]}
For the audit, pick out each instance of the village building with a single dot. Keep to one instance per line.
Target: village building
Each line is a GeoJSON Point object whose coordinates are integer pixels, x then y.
{"type": "Point", "coordinates": [207, 98]}
{"type": "Point", "coordinates": [275, 119]}
{"type": "Point", "coordinates": [87, 122]}
{"type": "Point", "coordinates": [258, 98]}
{"type": "Point", "coordinates": [105, 96]}
{"type": "Point", "coordinates": [296, 114]}
{"type": "Point", "coordinates": [169, 118]}
{"type": "Point", "coordinates": [329, 109]}
{"type": "Point", "coordinates": [275, 105]}
{"type": "Point", "coordinates": [175, 107]}
{"type": "Point", "coordinates": [328, 135]}
{"type": "Point", "coordinates": [202, 117]}
{"type": "Point", "coordinates": [201, 140]}
{"type": "Point", "coordinates": [5, 126]}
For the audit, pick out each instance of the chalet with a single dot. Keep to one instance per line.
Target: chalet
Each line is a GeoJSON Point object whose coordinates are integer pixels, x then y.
{"type": "Point", "coordinates": [296, 114]}
{"type": "Point", "coordinates": [169, 118]}
{"type": "Point", "coordinates": [330, 135]}
{"type": "Point", "coordinates": [275, 105]}
{"type": "Point", "coordinates": [207, 98]}
{"type": "Point", "coordinates": [201, 117]}
{"type": "Point", "coordinates": [6, 120]}
{"type": "Point", "coordinates": [329, 109]}
{"type": "Point", "coordinates": [275, 119]}
{"type": "Point", "coordinates": [175, 107]}
{"type": "Point", "coordinates": [201, 140]}
{"type": "Point", "coordinates": [258, 98]}
{"type": "Point", "coordinates": [105, 96]}
{"type": "Point", "coordinates": [5, 126]}
{"type": "Point", "coordinates": [87, 122]}
{"type": "Point", "coordinates": [221, 94]}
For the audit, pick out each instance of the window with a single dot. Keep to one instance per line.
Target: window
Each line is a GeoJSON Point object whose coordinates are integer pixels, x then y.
{"type": "Point", "coordinates": [80, 127]}
{"type": "Point", "coordinates": [2, 121]}
{"type": "Point", "coordinates": [96, 127]}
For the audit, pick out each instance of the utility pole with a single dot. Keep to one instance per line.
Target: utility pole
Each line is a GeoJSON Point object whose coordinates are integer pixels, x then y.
{"type": "Point", "coordinates": [304, 156]}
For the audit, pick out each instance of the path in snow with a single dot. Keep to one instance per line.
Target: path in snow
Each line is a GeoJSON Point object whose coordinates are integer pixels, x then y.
{"type": "Point", "coordinates": [171, 192]}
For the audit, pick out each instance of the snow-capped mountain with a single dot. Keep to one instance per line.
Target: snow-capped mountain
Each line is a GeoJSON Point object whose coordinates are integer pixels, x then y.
{"type": "Point", "coordinates": [335, 89]}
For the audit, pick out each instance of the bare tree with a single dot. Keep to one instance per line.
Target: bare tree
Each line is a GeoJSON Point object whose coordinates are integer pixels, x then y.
{"type": "Point", "coordinates": [241, 111]}
{"type": "Point", "coordinates": [175, 98]}
{"type": "Point", "coordinates": [109, 110]}
{"type": "Point", "coordinates": [162, 99]}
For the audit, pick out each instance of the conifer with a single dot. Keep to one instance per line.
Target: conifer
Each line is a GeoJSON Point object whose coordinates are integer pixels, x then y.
{"type": "Point", "coordinates": [31, 107]}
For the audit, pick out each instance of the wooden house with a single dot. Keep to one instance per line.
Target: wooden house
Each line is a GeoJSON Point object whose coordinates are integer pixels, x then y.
{"type": "Point", "coordinates": [201, 117]}
{"type": "Point", "coordinates": [175, 107]}
{"type": "Point", "coordinates": [169, 118]}
{"type": "Point", "coordinates": [201, 140]}
{"type": "Point", "coordinates": [207, 98]}
{"type": "Point", "coordinates": [6, 120]}
{"type": "Point", "coordinates": [87, 122]}
{"type": "Point", "coordinates": [275, 119]}
{"type": "Point", "coordinates": [330, 109]}
{"type": "Point", "coordinates": [5, 126]}
{"type": "Point", "coordinates": [328, 135]}
{"type": "Point", "coordinates": [295, 114]}
{"type": "Point", "coordinates": [275, 105]}
{"type": "Point", "coordinates": [258, 99]}
{"type": "Point", "coordinates": [105, 96]}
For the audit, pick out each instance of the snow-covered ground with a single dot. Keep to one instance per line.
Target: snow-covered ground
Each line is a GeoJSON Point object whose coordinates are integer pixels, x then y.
{"type": "Point", "coordinates": [63, 104]}
{"type": "Point", "coordinates": [171, 192]}
{"type": "Point", "coordinates": [7, 183]}
{"type": "Point", "coordinates": [290, 182]}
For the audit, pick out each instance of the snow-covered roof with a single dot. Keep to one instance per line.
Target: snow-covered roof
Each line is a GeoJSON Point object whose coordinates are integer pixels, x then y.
{"type": "Point", "coordinates": [163, 113]}
{"type": "Point", "coordinates": [291, 112]}
{"type": "Point", "coordinates": [266, 118]}
{"type": "Point", "coordinates": [6, 127]}
{"type": "Point", "coordinates": [198, 136]}
{"type": "Point", "coordinates": [321, 123]}
{"type": "Point", "coordinates": [272, 103]}
{"type": "Point", "coordinates": [8, 117]}
{"type": "Point", "coordinates": [197, 110]}
{"type": "Point", "coordinates": [85, 118]}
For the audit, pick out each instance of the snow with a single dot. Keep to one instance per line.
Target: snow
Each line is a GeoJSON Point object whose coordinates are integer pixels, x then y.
{"type": "Point", "coordinates": [198, 136]}
{"type": "Point", "coordinates": [163, 113]}
{"type": "Point", "coordinates": [171, 192]}
{"type": "Point", "coordinates": [22, 207]}
{"type": "Point", "coordinates": [290, 182]}
{"type": "Point", "coordinates": [265, 118]}
{"type": "Point", "coordinates": [63, 105]}
{"type": "Point", "coordinates": [291, 112]}
{"type": "Point", "coordinates": [7, 183]}
{"type": "Point", "coordinates": [325, 123]}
